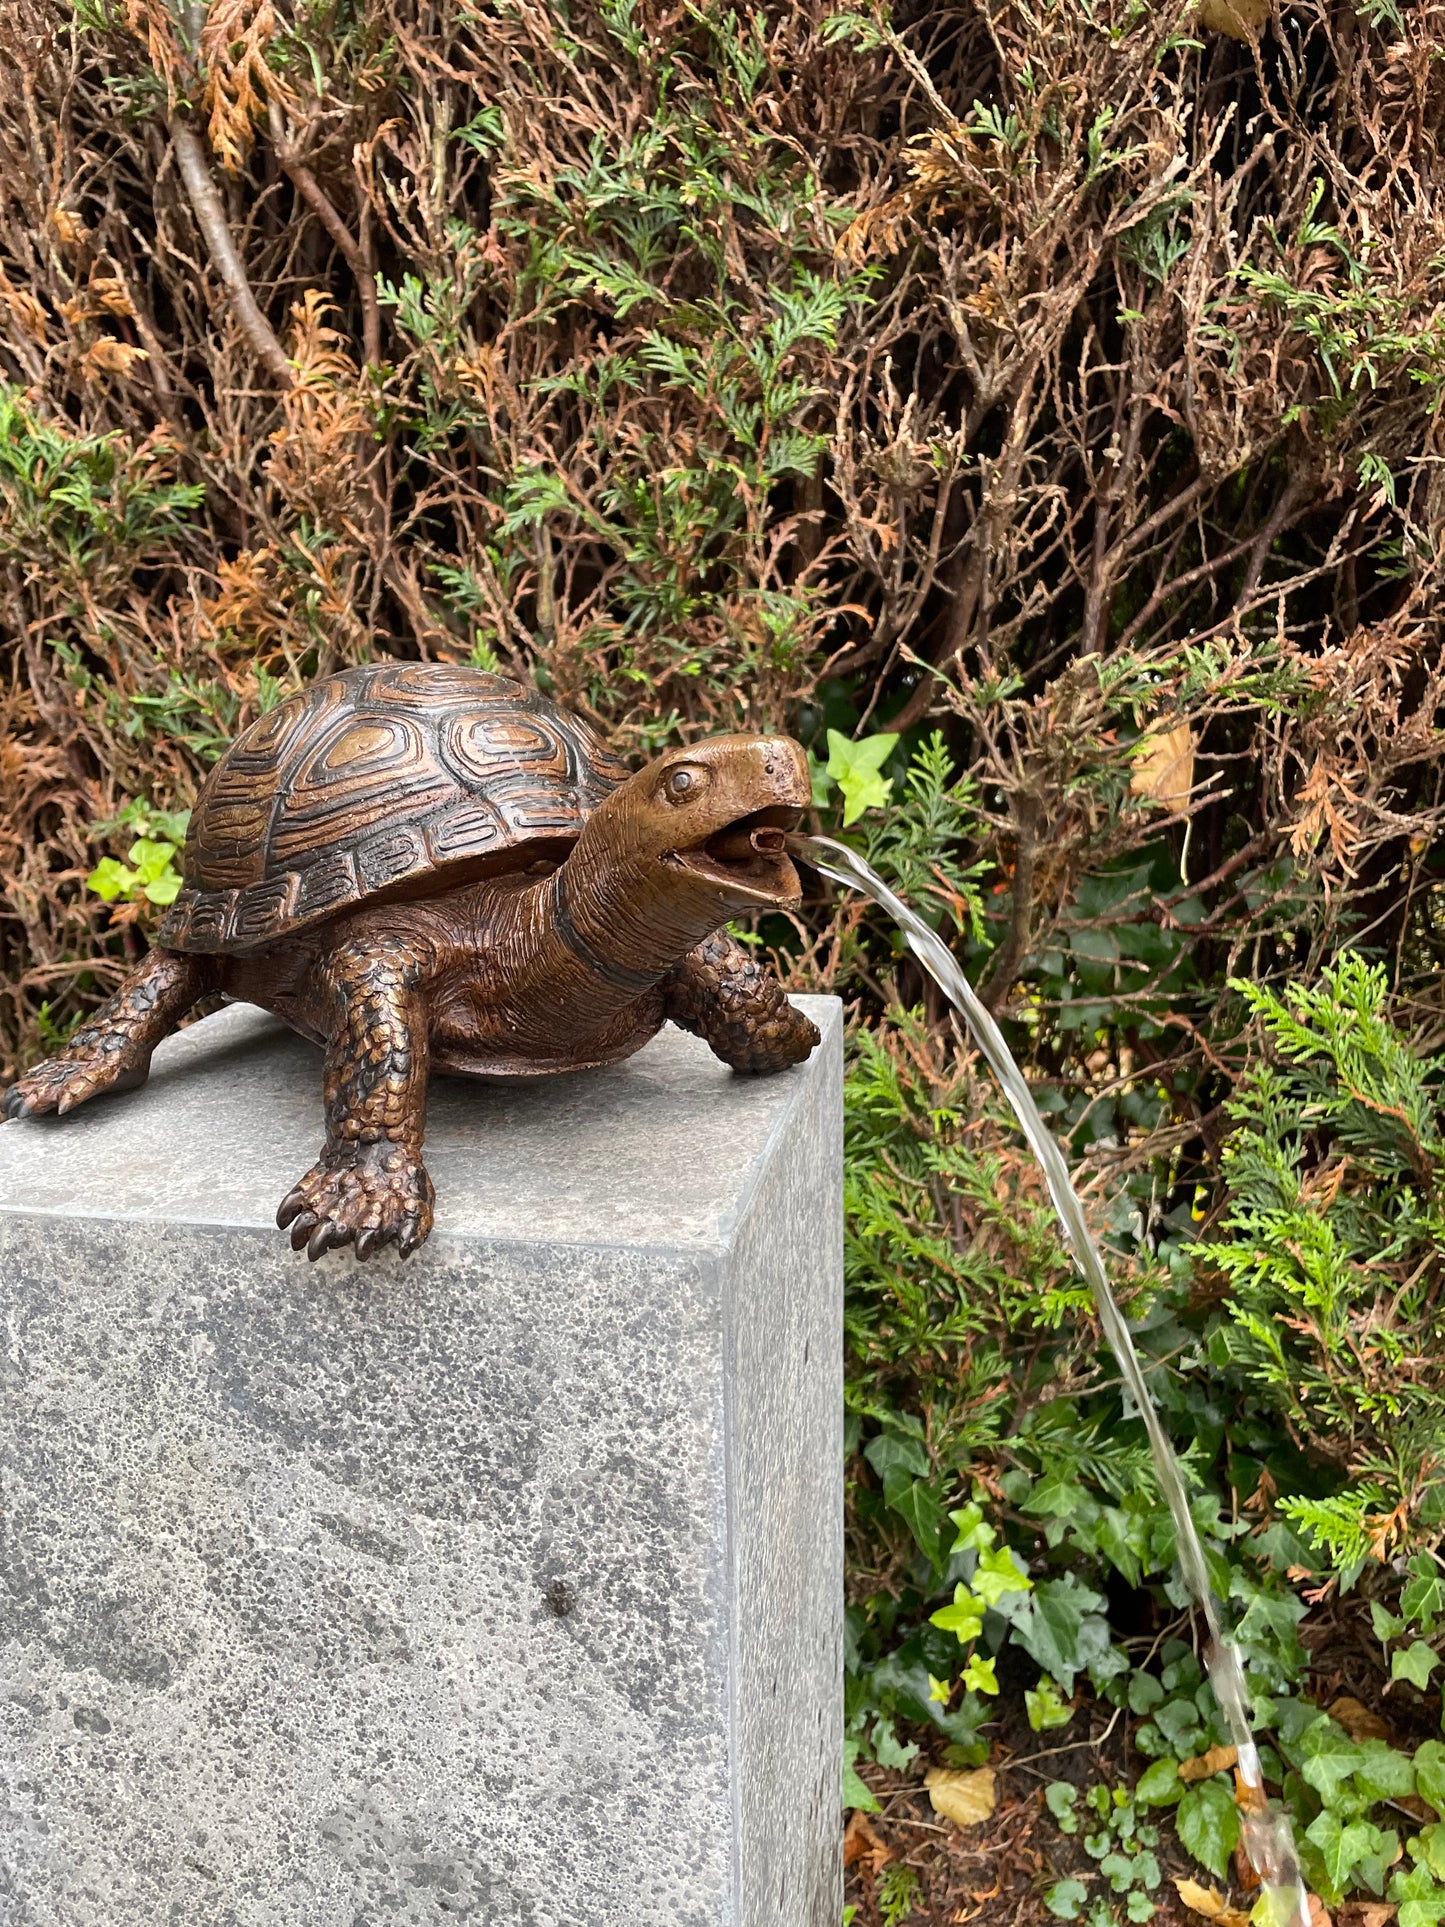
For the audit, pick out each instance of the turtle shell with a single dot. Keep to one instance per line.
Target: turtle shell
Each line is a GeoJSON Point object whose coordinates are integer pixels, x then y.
{"type": "Point", "coordinates": [387, 780]}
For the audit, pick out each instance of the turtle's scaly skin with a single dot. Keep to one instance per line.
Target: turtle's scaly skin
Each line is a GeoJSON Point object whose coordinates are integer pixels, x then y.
{"type": "Point", "coordinates": [419, 868]}
{"type": "Point", "coordinates": [113, 1051]}
{"type": "Point", "coordinates": [720, 993]}
{"type": "Point", "coordinates": [371, 1177]}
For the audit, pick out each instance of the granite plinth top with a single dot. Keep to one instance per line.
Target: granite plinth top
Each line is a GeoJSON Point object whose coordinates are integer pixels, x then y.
{"type": "Point", "coordinates": [662, 1149]}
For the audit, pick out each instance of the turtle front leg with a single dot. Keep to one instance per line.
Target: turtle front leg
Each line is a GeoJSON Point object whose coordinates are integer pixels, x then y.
{"type": "Point", "coordinates": [369, 1185]}
{"type": "Point", "coordinates": [113, 1051]}
{"type": "Point", "coordinates": [723, 994]}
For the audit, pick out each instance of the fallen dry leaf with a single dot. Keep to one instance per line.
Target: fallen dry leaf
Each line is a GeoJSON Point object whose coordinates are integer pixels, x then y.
{"type": "Point", "coordinates": [1358, 1721]}
{"type": "Point", "coordinates": [1240, 19]}
{"type": "Point", "coordinates": [967, 1914]}
{"type": "Point", "coordinates": [1366, 1913]}
{"type": "Point", "coordinates": [965, 1798]}
{"type": "Point", "coordinates": [1244, 1868]}
{"type": "Point", "coordinates": [1203, 1765]}
{"type": "Point", "coordinates": [1318, 1916]}
{"type": "Point", "coordinates": [1164, 766]}
{"type": "Point", "coordinates": [862, 1841]}
{"type": "Point", "coordinates": [1209, 1903]}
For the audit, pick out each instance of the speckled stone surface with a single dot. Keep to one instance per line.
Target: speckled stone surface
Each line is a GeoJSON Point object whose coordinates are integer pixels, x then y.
{"type": "Point", "coordinates": [503, 1585]}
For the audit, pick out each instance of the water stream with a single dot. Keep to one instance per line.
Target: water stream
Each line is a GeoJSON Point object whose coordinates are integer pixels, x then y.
{"type": "Point", "coordinates": [1268, 1838]}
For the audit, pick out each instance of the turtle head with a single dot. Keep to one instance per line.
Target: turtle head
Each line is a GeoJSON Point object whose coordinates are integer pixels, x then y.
{"type": "Point", "coordinates": [712, 817]}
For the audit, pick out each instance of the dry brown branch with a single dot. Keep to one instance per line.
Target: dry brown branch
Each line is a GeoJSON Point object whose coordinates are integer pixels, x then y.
{"type": "Point", "coordinates": [210, 216]}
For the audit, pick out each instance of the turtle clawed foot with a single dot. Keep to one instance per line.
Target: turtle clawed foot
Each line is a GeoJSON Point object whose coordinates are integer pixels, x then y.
{"type": "Point", "coordinates": [798, 1038]}
{"type": "Point", "coordinates": [61, 1083]}
{"type": "Point", "coordinates": [783, 1039]}
{"type": "Point", "coordinates": [367, 1195]}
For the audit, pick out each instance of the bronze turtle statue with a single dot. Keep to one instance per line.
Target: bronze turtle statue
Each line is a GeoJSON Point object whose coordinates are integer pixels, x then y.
{"type": "Point", "coordinates": [427, 867]}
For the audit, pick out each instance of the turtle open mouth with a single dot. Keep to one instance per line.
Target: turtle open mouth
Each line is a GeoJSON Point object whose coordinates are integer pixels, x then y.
{"type": "Point", "coordinates": [750, 854]}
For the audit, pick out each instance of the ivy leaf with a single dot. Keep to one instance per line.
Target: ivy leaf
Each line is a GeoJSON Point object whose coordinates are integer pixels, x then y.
{"type": "Point", "coordinates": [1160, 1785]}
{"type": "Point", "coordinates": [889, 1750]}
{"type": "Point", "coordinates": [1269, 1618]}
{"type": "Point", "coordinates": [1178, 1721]}
{"type": "Point", "coordinates": [1387, 1625]}
{"type": "Point", "coordinates": [973, 1534]}
{"type": "Point", "coordinates": [914, 1502]}
{"type": "Point", "coordinates": [1422, 1903]}
{"type": "Point", "coordinates": [855, 1792]}
{"type": "Point", "coordinates": [1046, 1707]}
{"type": "Point", "coordinates": [1341, 1846]}
{"type": "Point", "coordinates": [1382, 1773]}
{"type": "Point", "coordinates": [1423, 1599]}
{"type": "Point", "coordinates": [902, 1464]}
{"type": "Point", "coordinates": [1428, 1846]}
{"type": "Point", "coordinates": [1062, 1628]}
{"type": "Point", "coordinates": [964, 1617]}
{"type": "Point", "coordinates": [856, 769]}
{"type": "Point", "coordinates": [1416, 1663]}
{"type": "Point", "coordinates": [1430, 1773]}
{"type": "Point", "coordinates": [979, 1675]}
{"type": "Point", "coordinates": [891, 1451]}
{"type": "Point", "coordinates": [999, 1573]}
{"type": "Point", "coordinates": [1208, 1823]}
{"type": "Point", "coordinates": [1327, 1759]}
{"type": "Point", "coordinates": [1123, 1538]}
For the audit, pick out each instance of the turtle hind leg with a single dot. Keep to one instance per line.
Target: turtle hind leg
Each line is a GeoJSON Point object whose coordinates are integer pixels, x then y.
{"type": "Point", "coordinates": [723, 994]}
{"type": "Point", "coordinates": [112, 1052]}
{"type": "Point", "coordinates": [369, 1186]}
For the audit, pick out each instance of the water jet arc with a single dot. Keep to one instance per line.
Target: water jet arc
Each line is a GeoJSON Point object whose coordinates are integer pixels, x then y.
{"type": "Point", "coordinates": [1267, 1835]}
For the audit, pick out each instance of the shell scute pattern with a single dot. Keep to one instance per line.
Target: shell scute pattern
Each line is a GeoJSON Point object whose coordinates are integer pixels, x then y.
{"type": "Point", "coordinates": [377, 777]}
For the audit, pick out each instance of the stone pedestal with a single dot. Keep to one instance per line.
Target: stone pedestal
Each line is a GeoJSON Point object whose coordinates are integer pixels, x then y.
{"type": "Point", "coordinates": [501, 1586]}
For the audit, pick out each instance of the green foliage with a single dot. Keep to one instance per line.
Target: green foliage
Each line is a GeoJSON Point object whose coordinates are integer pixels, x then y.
{"type": "Point", "coordinates": [1328, 1246]}
{"type": "Point", "coordinates": [1335, 1088]}
{"type": "Point", "coordinates": [147, 872]}
{"type": "Point", "coordinates": [1121, 1842]}
{"type": "Point", "coordinates": [1066, 1899]}
{"type": "Point", "coordinates": [1362, 326]}
{"type": "Point", "coordinates": [77, 499]}
{"type": "Point", "coordinates": [151, 870]}
{"type": "Point", "coordinates": [855, 1793]}
{"type": "Point", "coordinates": [897, 1889]}
{"type": "Point", "coordinates": [857, 770]}
{"type": "Point", "coordinates": [1208, 1823]}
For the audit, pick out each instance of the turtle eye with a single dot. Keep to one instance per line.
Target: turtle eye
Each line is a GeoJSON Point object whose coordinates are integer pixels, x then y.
{"type": "Point", "coordinates": [681, 785]}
